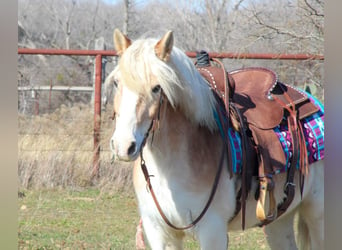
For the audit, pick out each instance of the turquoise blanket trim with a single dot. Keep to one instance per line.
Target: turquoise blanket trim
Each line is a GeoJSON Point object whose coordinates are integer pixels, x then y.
{"type": "Point", "coordinates": [217, 119]}
{"type": "Point", "coordinates": [235, 142]}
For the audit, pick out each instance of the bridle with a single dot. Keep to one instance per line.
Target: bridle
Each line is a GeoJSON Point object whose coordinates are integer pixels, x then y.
{"type": "Point", "coordinates": [153, 125]}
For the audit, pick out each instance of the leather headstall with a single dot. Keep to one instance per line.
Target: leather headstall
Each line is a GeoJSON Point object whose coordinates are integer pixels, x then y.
{"type": "Point", "coordinates": [154, 124]}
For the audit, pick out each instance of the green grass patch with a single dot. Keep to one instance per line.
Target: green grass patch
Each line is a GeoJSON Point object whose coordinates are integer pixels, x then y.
{"type": "Point", "coordinates": [91, 219]}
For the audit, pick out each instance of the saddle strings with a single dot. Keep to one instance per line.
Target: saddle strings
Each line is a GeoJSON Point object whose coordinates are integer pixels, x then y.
{"type": "Point", "coordinates": [299, 145]}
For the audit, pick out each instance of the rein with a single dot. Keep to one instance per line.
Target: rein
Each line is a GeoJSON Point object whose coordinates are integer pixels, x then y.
{"type": "Point", "coordinates": [150, 188]}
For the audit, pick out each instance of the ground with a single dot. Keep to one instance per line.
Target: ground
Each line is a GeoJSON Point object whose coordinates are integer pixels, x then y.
{"type": "Point", "coordinates": [92, 219]}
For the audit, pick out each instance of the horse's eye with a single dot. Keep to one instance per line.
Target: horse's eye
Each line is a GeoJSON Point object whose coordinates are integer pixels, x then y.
{"type": "Point", "coordinates": [156, 89]}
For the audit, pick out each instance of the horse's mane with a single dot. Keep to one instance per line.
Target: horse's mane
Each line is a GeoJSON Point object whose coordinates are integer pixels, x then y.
{"type": "Point", "coordinates": [183, 85]}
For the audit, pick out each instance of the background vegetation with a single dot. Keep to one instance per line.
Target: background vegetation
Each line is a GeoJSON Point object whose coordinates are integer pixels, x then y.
{"type": "Point", "coordinates": [60, 206]}
{"type": "Point", "coordinates": [266, 26]}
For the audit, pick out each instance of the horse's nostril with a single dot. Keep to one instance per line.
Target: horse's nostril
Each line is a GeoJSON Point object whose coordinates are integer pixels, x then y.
{"type": "Point", "coordinates": [131, 148]}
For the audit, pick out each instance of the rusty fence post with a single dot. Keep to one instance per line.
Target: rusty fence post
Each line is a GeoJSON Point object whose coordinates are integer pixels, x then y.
{"type": "Point", "coordinates": [97, 115]}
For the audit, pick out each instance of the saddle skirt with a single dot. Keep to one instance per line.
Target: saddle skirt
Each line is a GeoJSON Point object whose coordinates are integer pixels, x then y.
{"type": "Point", "coordinates": [313, 128]}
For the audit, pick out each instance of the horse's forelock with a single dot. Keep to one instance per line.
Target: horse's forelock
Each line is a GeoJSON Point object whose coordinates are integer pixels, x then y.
{"type": "Point", "coordinates": [140, 68]}
{"type": "Point", "coordinates": [133, 67]}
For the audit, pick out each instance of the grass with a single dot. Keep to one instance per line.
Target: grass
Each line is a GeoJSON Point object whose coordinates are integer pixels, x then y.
{"type": "Point", "coordinates": [93, 219]}
{"type": "Point", "coordinates": [62, 208]}
{"type": "Point", "coordinates": [76, 220]}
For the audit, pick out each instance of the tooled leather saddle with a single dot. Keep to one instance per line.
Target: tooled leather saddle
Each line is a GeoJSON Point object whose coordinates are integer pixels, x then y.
{"type": "Point", "coordinates": [255, 102]}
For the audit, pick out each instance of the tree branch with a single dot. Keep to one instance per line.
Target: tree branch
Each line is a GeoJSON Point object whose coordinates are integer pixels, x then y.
{"type": "Point", "coordinates": [315, 12]}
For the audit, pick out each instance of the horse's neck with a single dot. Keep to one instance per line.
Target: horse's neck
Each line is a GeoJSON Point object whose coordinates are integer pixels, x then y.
{"type": "Point", "coordinates": [182, 147]}
{"type": "Point", "coordinates": [172, 134]}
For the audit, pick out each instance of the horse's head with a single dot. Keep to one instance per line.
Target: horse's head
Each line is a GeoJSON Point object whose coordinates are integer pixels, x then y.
{"type": "Point", "coordinates": [138, 82]}
{"type": "Point", "coordinates": [148, 71]}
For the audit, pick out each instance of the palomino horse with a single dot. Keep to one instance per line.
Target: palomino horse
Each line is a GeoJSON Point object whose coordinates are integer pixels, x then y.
{"type": "Point", "coordinates": [164, 111]}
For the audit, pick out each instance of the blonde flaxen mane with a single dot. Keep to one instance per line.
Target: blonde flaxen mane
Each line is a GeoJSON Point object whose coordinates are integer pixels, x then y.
{"type": "Point", "coordinates": [140, 69]}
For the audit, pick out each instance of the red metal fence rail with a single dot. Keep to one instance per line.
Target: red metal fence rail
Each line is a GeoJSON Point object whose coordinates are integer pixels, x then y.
{"type": "Point", "coordinates": [98, 79]}
{"type": "Point", "coordinates": [266, 56]}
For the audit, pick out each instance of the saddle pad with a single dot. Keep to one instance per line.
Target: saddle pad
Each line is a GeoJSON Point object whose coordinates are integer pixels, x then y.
{"type": "Point", "coordinates": [313, 128]}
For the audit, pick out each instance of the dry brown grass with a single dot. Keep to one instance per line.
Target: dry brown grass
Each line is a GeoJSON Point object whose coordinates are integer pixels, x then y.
{"type": "Point", "coordinates": [56, 150]}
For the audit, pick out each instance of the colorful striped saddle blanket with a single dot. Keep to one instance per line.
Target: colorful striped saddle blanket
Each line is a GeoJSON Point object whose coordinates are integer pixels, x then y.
{"type": "Point", "coordinates": [313, 128]}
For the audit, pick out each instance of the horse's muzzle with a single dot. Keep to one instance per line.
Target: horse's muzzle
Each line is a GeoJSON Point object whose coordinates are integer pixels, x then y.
{"type": "Point", "coordinates": [124, 151]}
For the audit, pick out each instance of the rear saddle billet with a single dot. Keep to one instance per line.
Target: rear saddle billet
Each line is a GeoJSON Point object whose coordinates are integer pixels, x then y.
{"type": "Point", "coordinates": [255, 103]}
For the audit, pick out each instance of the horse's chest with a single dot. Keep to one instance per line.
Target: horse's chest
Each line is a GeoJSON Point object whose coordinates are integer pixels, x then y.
{"type": "Point", "coordinates": [176, 203]}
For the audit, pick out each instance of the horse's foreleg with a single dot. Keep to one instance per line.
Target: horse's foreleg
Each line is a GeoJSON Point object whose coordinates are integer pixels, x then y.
{"type": "Point", "coordinates": [158, 238]}
{"type": "Point", "coordinates": [153, 235]}
{"type": "Point", "coordinates": [212, 233]}
{"type": "Point", "coordinates": [139, 237]}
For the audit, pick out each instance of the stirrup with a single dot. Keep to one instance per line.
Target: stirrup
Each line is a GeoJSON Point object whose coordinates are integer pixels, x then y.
{"type": "Point", "coordinates": [260, 208]}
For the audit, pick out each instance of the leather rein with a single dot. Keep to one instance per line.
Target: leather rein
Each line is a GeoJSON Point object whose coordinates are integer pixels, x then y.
{"type": "Point", "coordinates": [148, 177]}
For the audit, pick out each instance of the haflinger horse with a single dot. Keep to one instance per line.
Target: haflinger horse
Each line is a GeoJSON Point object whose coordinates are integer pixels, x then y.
{"type": "Point", "coordinates": [165, 122]}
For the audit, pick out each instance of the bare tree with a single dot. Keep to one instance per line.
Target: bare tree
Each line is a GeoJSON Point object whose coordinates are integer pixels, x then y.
{"type": "Point", "coordinates": [276, 26]}
{"type": "Point", "coordinates": [64, 25]}
{"type": "Point", "coordinates": [298, 27]}
{"type": "Point", "coordinates": [126, 16]}
{"type": "Point", "coordinates": [292, 27]}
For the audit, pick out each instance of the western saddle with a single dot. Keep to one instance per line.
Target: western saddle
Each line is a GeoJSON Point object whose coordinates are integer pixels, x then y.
{"type": "Point", "coordinates": [255, 102]}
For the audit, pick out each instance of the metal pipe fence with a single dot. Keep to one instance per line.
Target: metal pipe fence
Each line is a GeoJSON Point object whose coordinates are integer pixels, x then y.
{"type": "Point", "coordinates": [99, 54]}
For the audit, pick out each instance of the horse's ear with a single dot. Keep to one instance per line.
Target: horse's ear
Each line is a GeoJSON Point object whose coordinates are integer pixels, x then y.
{"type": "Point", "coordinates": [121, 42]}
{"type": "Point", "coordinates": [164, 47]}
